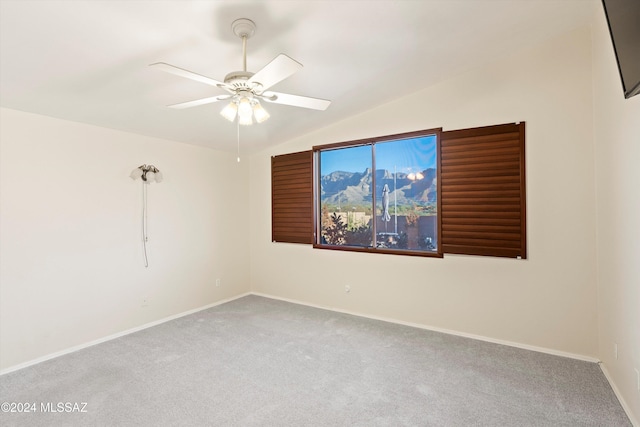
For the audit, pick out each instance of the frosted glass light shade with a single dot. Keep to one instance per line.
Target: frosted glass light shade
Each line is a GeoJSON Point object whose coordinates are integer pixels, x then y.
{"type": "Point", "coordinates": [245, 120]}
{"type": "Point", "coordinates": [260, 113]}
{"type": "Point", "coordinates": [159, 177]}
{"type": "Point", "coordinates": [245, 111]}
{"type": "Point", "coordinates": [136, 173]}
{"type": "Point", "coordinates": [150, 176]}
{"type": "Point", "coordinates": [229, 112]}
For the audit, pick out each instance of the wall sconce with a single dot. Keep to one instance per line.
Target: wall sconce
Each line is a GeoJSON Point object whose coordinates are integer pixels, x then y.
{"type": "Point", "coordinates": [148, 173]}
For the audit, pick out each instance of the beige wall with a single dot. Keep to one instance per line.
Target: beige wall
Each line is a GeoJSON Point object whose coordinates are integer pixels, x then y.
{"type": "Point", "coordinates": [577, 293]}
{"type": "Point", "coordinates": [548, 301]}
{"type": "Point", "coordinates": [70, 253]}
{"type": "Point", "coordinates": [617, 159]}
{"type": "Point", "coordinates": [71, 266]}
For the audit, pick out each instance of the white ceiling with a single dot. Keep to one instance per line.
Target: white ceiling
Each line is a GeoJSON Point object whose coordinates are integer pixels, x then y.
{"type": "Point", "coordinates": [87, 60]}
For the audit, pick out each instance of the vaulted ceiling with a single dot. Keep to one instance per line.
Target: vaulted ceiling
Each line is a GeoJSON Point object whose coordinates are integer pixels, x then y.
{"type": "Point", "coordinates": [87, 60]}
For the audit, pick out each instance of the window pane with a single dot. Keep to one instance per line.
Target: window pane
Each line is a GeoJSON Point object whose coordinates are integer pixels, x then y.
{"type": "Point", "coordinates": [406, 194]}
{"type": "Point", "coordinates": [346, 206]}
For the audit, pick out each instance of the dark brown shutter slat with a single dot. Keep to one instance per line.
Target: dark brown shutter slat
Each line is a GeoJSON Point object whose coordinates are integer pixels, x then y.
{"type": "Point", "coordinates": [480, 146]}
{"type": "Point", "coordinates": [493, 221]}
{"type": "Point", "coordinates": [483, 191]}
{"type": "Point", "coordinates": [465, 174]}
{"type": "Point", "coordinates": [481, 250]}
{"type": "Point", "coordinates": [292, 198]}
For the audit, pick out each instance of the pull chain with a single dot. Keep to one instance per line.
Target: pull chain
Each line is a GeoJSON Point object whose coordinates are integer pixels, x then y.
{"type": "Point", "coordinates": [145, 238]}
{"type": "Point", "coordinates": [238, 138]}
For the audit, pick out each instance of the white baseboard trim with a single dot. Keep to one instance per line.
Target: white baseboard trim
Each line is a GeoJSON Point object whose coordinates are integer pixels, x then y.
{"type": "Point", "coordinates": [442, 330]}
{"type": "Point", "coordinates": [116, 335]}
{"type": "Point", "coordinates": [384, 319]}
{"type": "Point", "coordinates": [616, 391]}
{"type": "Point", "coordinates": [73, 349]}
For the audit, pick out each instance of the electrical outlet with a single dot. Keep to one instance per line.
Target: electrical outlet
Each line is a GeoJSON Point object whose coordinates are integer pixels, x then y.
{"type": "Point", "coordinates": [217, 282]}
{"type": "Point", "coordinates": [615, 351]}
{"type": "Point", "coordinates": [347, 288]}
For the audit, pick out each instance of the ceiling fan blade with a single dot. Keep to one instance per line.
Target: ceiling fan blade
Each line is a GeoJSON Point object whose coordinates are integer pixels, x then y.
{"type": "Point", "coordinates": [197, 102]}
{"type": "Point", "coordinates": [275, 71]}
{"type": "Point", "coordinates": [296, 101]}
{"type": "Point", "coordinates": [187, 74]}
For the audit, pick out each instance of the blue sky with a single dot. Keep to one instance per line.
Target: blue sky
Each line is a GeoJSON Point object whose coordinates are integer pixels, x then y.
{"type": "Point", "coordinates": [407, 155]}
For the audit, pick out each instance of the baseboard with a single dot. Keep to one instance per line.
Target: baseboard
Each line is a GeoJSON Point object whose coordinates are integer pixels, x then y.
{"type": "Point", "coordinates": [384, 319]}
{"type": "Point", "coordinates": [442, 330]}
{"type": "Point", "coordinates": [616, 391]}
{"type": "Point", "coordinates": [116, 335]}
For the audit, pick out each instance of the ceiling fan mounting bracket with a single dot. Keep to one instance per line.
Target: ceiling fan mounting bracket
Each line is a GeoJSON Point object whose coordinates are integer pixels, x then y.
{"type": "Point", "coordinates": [243, 28]}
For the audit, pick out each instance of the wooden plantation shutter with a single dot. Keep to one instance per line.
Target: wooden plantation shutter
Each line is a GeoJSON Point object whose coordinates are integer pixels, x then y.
{"type": "Point", "coordinates": [483, 191]}
{"type": "Point", "coordinates": [292, 198]}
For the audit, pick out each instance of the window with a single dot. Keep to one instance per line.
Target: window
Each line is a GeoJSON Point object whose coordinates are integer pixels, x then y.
{"type": "Point", "coordinates": [472, 202]}
{"type": "Point", "coordinates": [379, 195]}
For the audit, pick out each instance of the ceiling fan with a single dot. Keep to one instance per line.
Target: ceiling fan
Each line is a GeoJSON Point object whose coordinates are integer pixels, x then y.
{"type": "Point", "coordinates": [246, 89]}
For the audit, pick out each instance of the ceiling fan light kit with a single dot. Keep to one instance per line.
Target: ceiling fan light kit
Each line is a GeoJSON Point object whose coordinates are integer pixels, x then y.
{"type": "Point", "coordinates": [246, 89]}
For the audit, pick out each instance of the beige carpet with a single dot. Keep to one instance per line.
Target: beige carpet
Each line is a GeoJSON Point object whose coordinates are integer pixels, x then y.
{"type": "Point", "coordinates": [261, 362]}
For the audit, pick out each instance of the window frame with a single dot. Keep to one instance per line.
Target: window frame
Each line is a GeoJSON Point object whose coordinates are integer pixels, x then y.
{"type": "Point", "coordinates": [438, 253]}
{"type": "Point", "coordinates": [293, 198]}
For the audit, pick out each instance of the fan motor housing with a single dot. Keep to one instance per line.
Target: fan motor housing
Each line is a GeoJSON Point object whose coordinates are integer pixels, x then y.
{"type": "Point", "coordinates": [239, 80]}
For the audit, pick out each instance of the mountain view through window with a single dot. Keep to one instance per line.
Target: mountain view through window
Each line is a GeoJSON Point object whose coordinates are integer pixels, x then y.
{"type": "Point", "coordinates": [393, 208]}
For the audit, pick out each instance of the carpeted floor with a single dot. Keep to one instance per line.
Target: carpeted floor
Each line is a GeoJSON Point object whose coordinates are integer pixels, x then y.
{"type": "Point", "coordinates": [262, 362]}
